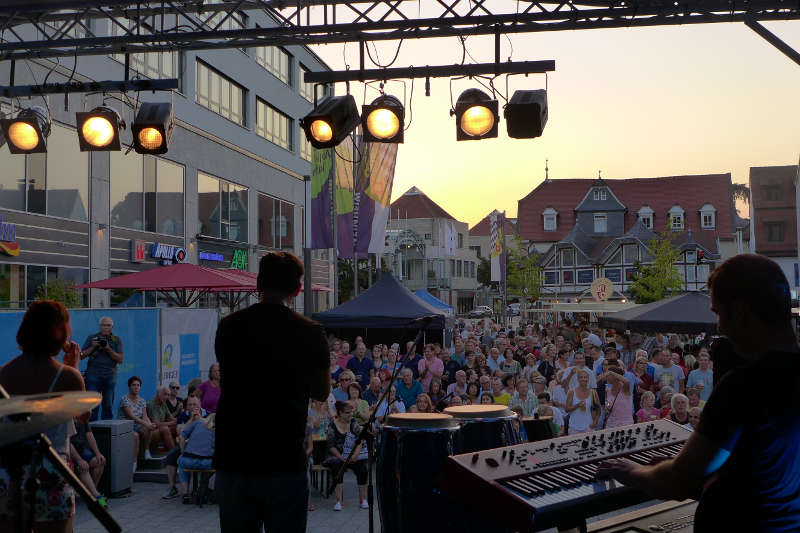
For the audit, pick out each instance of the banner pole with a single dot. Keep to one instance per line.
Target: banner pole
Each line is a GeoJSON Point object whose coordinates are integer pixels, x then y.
{"type": "Point", "coordinates": [334, 185]}
{"type": "Point", "coordinates": [308, 294]}
{"type": "Point", "coordinates": [355, 222]}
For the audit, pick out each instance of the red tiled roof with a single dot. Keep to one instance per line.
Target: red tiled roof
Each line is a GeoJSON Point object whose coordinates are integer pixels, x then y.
{"type": "Point", "coordinates": [483, 228]}
{"type": "Point", "coordinates": [660, 194]}
{"type": "Point", "coordinates": [416, 204]}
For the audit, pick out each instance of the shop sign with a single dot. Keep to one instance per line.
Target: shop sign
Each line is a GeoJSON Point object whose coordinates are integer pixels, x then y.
{"type": "Point", "coordinates": [211, 256]}
{"type": "Point", "coordinates": [602, 289]}
{"type": "Point", "coordinates": [138, 251]}
{"type": "Point", "coordinates": [239, 259]}
{"type": "Point", "coordinates": [167, 253]}
{"type": "Point", "coordinates": [8, 238]}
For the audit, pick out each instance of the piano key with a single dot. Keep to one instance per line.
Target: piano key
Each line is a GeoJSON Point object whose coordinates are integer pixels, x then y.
{"type": "Point", "coordinates": [550, 485]}
{"type": "Point", "coordinates": [569, 480]}
{"type": "Point", "coordinates": [520, 487]}
{"type": "Point", "coordinates": [574, 472]}
{"type": "Point", "coordinates": [555, 479]}
{"type": "Point", "coordinates": [532, 486]}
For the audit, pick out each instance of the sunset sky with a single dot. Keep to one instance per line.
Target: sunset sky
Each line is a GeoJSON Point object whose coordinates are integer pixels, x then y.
{"type": "Point", "coordinates": [639, 102]}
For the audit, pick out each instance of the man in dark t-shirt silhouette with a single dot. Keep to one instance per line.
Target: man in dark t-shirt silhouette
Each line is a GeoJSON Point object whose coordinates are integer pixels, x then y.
{"type": "Point", "coordinates": [743, 460]}
{"type": "Point", "coordinates": [261, 478]}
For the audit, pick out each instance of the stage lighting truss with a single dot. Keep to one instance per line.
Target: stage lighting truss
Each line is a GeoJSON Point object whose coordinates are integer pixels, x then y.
{"type": "Point", "coordinates": [383, 120]}
{"type": "Point", "coordinates": [331, 121]}
{"type": "Point", "coordinates": [152, 128]}
{"type": "Point", "coordinates": [27, 132]}
{"type": "Point", "coordinates": [98, 129]}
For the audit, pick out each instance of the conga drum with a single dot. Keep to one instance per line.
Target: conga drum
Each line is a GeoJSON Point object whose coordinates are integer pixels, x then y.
{"type": "Point", "coordinates": [413, 448]}
{"type": "Point", "coordinates": [483, 427]}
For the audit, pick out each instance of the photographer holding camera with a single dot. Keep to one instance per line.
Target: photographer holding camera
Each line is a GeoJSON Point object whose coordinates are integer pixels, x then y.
{"type": "Point", "coordinates": [104, 351]}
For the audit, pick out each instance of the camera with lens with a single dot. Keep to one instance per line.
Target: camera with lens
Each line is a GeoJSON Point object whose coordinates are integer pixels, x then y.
{"type": "Point", "coordinates": [103, 343]}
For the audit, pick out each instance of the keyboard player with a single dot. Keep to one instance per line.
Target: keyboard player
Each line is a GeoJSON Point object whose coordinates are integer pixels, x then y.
{"type": "Point", "coordinates": [743, 461]}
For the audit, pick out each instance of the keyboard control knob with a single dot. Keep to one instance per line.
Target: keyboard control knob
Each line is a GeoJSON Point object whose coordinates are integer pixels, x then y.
{"type": "Point", "coordinates": [492, 462]}
{"type": "Point", "coordinates": [585, 444]}
{"type": "Point", "coordinates": [552, 445]}
{"type": "Point", "coordinates": [475, 458]}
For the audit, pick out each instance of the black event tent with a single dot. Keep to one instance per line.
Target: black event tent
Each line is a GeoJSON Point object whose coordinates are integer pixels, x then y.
{"type": "Point", "coordinates": [689, 312]}
{"type": "Point", "coordinates": [387, 304]}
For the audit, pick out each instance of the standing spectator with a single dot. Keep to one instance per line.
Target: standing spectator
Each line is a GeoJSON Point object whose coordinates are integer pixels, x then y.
{"type": "Point", "coordinates": [498, 394]}
{"type": "Point", "coordinates": [459, 352]}
{"type": "Point", "coordinates": [649, 411]}
{"type": "Point", "coordinates": [702, 378]}
{"type": "Point", "coordinates": [529, 370]}
{"type": "Point", "coordinates": [373, 392]}
{"type": "Point", "coordinates": [43, 333]}
{"type": "Point", "coordinates": [159, 413]}
{"type": "Point", "coordinates": [361, 365]}
{"type": "Point", "coordinates": [582, 406]}
{"type": "Point", "coordinates": [524, 399]}
{"type": "Point", "coordinates": [645, 381]}
{"type": "Point", "coordinates": [408, 389]}
{"type": "Point", "coordinates": [494, 362]}
{"type": "Point", "coordinates": [619, 398]}
{"type": "Point", "coordinates": [133, 407]}
{"type": "Point", "coordinates": [197, 444]}
{"type": "Point", "coordinates": [570, 381]}
{"type": "Point", "coordinates": [412, 359]}
{"type": "Point", "coordinates": [668, 374]}
{"type": "Point", "coordinates": [209, 391]}
{"type": "Point", "coordinates": [104, 350]}
{"type": "Point", "coordinates": [174, 403]}
{"type": "Point", "coordinates": [510, 366]}
{"type": "Point", "coordinates": [342, 436]}
{"type": "Point", "coordinates": [86, 457]}
{"type": "Point", "coordinates": [429, 367]}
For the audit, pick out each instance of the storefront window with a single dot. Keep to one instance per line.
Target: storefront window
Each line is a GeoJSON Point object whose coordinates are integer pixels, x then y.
{"type": "Point", "coordinates": [287, 226]}
{"type": "Point", "coordinates": [222, 208]}
{"type": "Point", "coordinates": [169, 198]}
{"type": "Point", "coordinates": [275, 223]}
{"type": "Point", "coordinates": [12, 286]}
{"type": "Point", "coordinates": [266, 214]}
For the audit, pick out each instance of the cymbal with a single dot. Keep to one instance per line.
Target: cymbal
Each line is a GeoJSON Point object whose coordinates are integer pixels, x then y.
{"type": "Point", "coordinates": [40, 412]}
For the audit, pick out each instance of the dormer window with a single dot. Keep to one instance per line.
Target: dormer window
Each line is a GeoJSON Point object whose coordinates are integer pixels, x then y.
{"type": "Point", "coordinates": [550, 215]}
{"type": "Point", "coordinates": [600, 223]}
{"type": "Point", "coordinates": [599, 194]}
{"type": "Point", "coordinates": [676, 215]}
{"type": "Point", "coordinates": [646, 216]}
{"type": "Point", "coordinates": [708, 216]}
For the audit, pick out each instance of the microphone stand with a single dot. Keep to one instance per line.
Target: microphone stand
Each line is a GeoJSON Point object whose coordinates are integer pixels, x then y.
{"type": "Point", "coordinates": [366, 430]}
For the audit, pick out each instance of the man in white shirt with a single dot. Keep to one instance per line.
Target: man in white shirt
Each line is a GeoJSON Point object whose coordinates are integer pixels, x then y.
{"type": "Point", "coordinates": [668, 374]}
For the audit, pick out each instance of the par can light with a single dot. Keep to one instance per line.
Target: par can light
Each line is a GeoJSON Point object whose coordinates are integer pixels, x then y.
{"type": "Point", "coordinates": [476, 116]}
{"type": "Point", "coordinates": [98, 129]}
{"type": "Point", "coordinates": [331, 121]}
{"type": "Point", "coordinates": [383, 120]}
{"type": "Point", "coordinates": [153, 128]}
{"type": "Point", "coordinates": [27, 132]}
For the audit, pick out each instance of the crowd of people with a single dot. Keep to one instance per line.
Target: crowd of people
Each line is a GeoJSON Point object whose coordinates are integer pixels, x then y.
{"type": "Point", "coordinates": [581, 377]}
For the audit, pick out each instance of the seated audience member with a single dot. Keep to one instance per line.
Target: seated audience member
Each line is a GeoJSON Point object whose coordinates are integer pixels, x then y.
{"type": "Point", "coordinates": [694, 418]}
{"type": "Point", "coordinates": [694, 398]}
{"type": "Point", "coordinates": [191, 387]}
{"type": "Point", "coordinates": [345, 379]}
{"type": "Point", "coordinates": [159, 413]}
{"type": "Point", "coordinates": [209, 390]}
{"type": "Point", "coordinates": [524, 399]}
{"type": "Point", "coordinates": [374, 391]}
{"type": "Point", "coordinates": [175, 403]}
{"type": "Point", "coordinates": [680, 409]}
{"type": "Point", "coordinates": [558, 416]}
{"type": "Point", "coordinates": [423, 404]}
{"type": "Point", "coordinates": [648, 411]}
{"type": "Point", "coordinates": [192, 413]}
{"type": "Point", "coordinates": [336, 370]}
{"type": "Point", "coordinates": [509, 384]}
{"type": "Point", "coordinates": [459, 386]}
{"type": "Point", "coordinates": [395, 406]}
{"type": "Point", "coordinates": [498, 393]}
{"type": "Point", "coordinates": [487, 398]}
{"type": "Point", "coordinates": [342, 435]}
{"type": "Point", "coordinates": [133, 407]}
{"type": "Point", "coordinates": [361, 365]}
{"type": "Point", "coordinates": [360, 406]}
{"type": "Point", "coordinates": [665, 399]}
{"type": "Point", "coordinates": [555, 425]}
{"type": "Point", "coordinates": [436, 394]}
{"type": "Point", "coordinates": [197, 445]}
{"type": "Point", "coordinates": [88, 462]}
{"type": "Point", "coordinates": [318, 417]}
{"type": "Point", "coordinates": [408, 388]}
{"type": "Point", "coordinates": [473, 393]}
{"type": "Point", "coordinates": [455, 401]}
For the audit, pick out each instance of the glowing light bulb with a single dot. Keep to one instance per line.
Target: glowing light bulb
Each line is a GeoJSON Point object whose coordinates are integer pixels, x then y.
{"type": "Point", "coordinates": [321, 131]}
{"type": "Point", "coordinates": [98, 131]}
{"type": "Point", "coordinates": [477, 121]}
{"type": "Point", "coordinates": [383, 123]}
{"type": "Point", "coordinates": [23, 136]}
{"type": "Point", "coordinates": [151, 138]}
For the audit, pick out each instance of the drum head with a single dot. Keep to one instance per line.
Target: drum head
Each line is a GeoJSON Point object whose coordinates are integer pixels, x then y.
{"type": "Point", "coordinates": [480, 411]}
{"type": "Point", "coordinates": [412, 421]}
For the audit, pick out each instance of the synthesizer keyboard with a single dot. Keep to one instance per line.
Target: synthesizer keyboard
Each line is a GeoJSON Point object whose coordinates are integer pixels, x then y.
{"type": "Point", "coordinates": [552, 483]}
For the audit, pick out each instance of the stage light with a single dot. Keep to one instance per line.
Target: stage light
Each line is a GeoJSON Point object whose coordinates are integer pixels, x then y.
{"type": "Point", "coordinates": [98, 129]}
{"type": "Point", "coordinates": [526, 114]}
{"type": "Point", "coordinates": [331, 121]}
{"type": "Point", "coordinates": [152, 128]}
{"type": "Point", "coordinates": [383, 120]}
{"type": "Point", "coordinates": [476, 116]}
{"type": "Point", "coordinates": [26, 134]}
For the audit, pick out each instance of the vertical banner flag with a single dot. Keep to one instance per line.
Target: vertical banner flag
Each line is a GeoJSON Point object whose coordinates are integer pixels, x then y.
{"type": "Point", "coordinates": [501, 225]}
{"type": "Point", "coordinates": [344, 158]}
{"type": "Point", "coordinates": [323, 180]}
{"type": "Point", "coordinates": [373, 193]}
{"type": "Point", "coordinates": [496, 245]}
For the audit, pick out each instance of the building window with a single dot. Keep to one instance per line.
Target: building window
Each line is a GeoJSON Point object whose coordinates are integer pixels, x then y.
{"type": "Point", "coordinates": [708, 220]}
{"type": "Point", "coordinates": [600, 223]}
{"type": "Point", "coordinates": [477, 250]}
{"type": "Point", "coordinates": [616, 258]}
{"type": "Point", "coordinates": [273, 125]}
{"type": "Point", "coordinates": [676, 221]}
{"type": "Point", "coordinates": [458, 269]}
{"type": "Point", "coordinates": [599, 194]}
{"type": "Point", "coordinates": [305, 147]}
{"type": "Point", "coordinates": [551, 277]}
{"type": "Point", "coordinates": [216, 92]}
{"type": "Point", "coordinates": [276, 61]}
{"type": "Point", "coordinates": [460, 240]}
{"type": "Point", "coordinates": [222, 208]}
{"type": "Point", "coordinates": [567, 258]}
{"type": "Point", "coordinates": [275, 223]}
{"type": "Point", "coordinates": [647, 220]}
{"type": "Point", "coordinates": [585, 277]}
{"type": "Point", "coordinates": [146, 194]}
{"type": "Point", "coordinates": [614, 274]}
{"type": "Point", "coordinates": [569, 277]}
{"type": "Point", "coordinates": [305, 88]}
{"type": "Point", "coordinates": [631, 253]}
{"type": "Point", "coordinates": [630, 275]}
{"type": "Point", "coordinates": [774, 231]}
{"type": "Point", "coordinates": [771, 193]}
{"type": "Point", "coordinates": [154, 65]}
{"type": "Point", "coordinates": [427, 236]}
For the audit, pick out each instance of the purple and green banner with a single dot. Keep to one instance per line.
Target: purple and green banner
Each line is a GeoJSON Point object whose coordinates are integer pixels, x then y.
{"type": "Point", "coordinates": [373, 195]}
{"type": "Point", "coordinates": [323, 176]}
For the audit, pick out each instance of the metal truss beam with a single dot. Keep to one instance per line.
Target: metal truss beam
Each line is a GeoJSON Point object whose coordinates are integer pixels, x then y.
{"type": "Point", "coordinates": [65, 28]}
{"type": "Point", "coordinates": [438, 71]}
{"type": "Point", "coordinates": [773, 39]}
{"type": "Point", "coordinates": [87, 87]}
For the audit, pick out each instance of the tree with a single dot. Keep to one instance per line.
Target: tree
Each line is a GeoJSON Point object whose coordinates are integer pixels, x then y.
{"type": "Point", "coordinates": [61, 291]}
{"type": "Point", "coordinates": [656, 281]}
{"type": "Point", "coordinates": [740, 192]}
{"type": "Point", "coordinates": [345, 268]}
{"type": "Point", "coordinates": [484, 274]}
{"type": "Point", "coordinates": [523, 273]}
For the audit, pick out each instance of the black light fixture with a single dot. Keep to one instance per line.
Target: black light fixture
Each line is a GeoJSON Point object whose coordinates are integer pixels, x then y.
{"type": "Point", "coordinates": [152, 128]}
{"type": "Point", "coordinates": [331, 121]}
{"type": "Point", "coordinates": [383, 120]}
{"type": "Point", "coordinates": [98, 129]}
{"type": "Point", "coordinates": [27, 132]}
{"type": "Point", "coordinates": [526, 114]}
{"type": "Point", "coordinates": [476, 116]}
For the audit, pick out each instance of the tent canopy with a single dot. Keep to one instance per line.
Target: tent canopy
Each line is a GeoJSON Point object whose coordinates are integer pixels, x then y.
{"type": "Point", "coordinates": [689, 312]}
{"type": "Point", "coordinates": [387, 304]}
{"type": "Point", "coordinates": [434, 301]}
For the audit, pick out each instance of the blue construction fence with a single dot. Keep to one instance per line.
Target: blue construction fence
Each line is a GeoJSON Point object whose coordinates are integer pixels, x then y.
{"type": "Point", "coordinates": [160, 345]}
